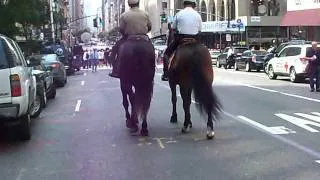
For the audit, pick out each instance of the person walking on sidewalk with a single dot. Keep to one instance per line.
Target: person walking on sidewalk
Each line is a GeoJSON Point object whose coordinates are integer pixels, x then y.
{"type": "Point", "coordinates": [313, 70]}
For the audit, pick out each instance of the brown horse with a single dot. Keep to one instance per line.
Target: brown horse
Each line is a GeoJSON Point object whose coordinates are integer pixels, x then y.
{"type": "Point", "coordinates": [191, 69]}
{"type": "Point", "coordinates": [137, 70]}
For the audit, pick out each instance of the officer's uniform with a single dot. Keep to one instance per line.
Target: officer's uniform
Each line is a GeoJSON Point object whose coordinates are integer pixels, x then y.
{"type": "Point", "coordinates": [133, 22]}
{"type": "Point", "coordinates": [187, 24]}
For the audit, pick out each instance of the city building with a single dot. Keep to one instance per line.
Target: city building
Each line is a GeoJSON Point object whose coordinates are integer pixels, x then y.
{"type": "Point", "coordinates": [302, 19]}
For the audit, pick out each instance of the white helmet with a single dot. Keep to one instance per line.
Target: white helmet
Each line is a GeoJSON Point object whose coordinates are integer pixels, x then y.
{"type": "Point", "coordinates": [192, 1]}
{"type": "Point", "coordinates": [133, 2]}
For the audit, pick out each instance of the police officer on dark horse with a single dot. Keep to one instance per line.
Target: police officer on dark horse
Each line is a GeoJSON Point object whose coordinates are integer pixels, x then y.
{"type": "Point", "coordinates": [135, 65]}
{"type": "Point", "coordinates": [187, 24]}
{"type": "Point", "coordinates": [190, 67]}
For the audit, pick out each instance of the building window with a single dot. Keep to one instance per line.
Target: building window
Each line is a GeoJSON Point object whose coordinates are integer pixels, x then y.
{"type": "Point", "coordinates": [213, 10]}
{"type": "Point", "coordinates": [265, 8]}
{"type": "Point", "coordinates": [233, 10]}
{"type": "Point", "coordinates": [203, 11]}
{"type": "Point", "coordinates": [222, 12]}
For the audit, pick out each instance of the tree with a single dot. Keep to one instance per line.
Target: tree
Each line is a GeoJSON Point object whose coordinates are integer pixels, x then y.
{"type": "Point", "coordinates": [26, 13]}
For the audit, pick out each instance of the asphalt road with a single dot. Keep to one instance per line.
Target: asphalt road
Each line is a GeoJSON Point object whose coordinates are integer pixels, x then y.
{"type": "Point", "coordinates": [269, 130]}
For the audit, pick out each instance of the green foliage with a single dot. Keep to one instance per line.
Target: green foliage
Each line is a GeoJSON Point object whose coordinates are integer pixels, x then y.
{"type": "Point", "coordinates": [18, 16]}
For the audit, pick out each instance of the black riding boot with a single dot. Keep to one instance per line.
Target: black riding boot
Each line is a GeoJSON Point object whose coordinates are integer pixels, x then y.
{"type": "Point", "coordinates": [164, 76]}
{"type": "Point", "coordinates": [115, 68]}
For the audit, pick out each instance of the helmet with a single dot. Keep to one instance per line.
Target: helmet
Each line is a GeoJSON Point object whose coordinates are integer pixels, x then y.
{"type": "Point", "coordinates": [133, 2]}
{"type": "Point", "coordinates": [191, 1]}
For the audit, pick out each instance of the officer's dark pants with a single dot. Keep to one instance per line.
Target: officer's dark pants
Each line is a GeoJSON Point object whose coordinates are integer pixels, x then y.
{"type": "Point", "coordinates": [115, 55]}
{"type": "Point", "coordinates": [171, 49]}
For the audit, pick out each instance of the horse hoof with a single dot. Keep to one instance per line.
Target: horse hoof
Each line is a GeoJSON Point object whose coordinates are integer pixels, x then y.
{"type": "Point", "coordinates": [173, 119]}
{"type": "Point", "coordinates": [134, 130]}
{"type": "Point", "coordinates": [210, 134]}
{"type": "Point", "coordinates": [185, 129]}
{"type": "Point", "coordinates": [144, 132]}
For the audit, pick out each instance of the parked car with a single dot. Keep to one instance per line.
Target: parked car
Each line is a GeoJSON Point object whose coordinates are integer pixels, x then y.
{"type": "Point", "coordinates": [214, 56]}
{"type": "Point", "coordinates": [17, 89]}
{"type": "Point", "coordinates": [290, 62]}
{"type": "Point", "coordinates": [44, 77]}
{"type": "Point", "coordinates": [55, 67]}
{"type": "Point", "coordinates": [275, 51]}
{"type": "Point", "coordinates": [250, 60]}
{"type": "Point", "coordinates": [228, 62]}
{"type": "Point", "coordinates": [63, 54]}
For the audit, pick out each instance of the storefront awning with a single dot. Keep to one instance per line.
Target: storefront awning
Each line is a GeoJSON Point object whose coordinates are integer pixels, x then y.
{"type": "Point", "coordinates": [308, 17]}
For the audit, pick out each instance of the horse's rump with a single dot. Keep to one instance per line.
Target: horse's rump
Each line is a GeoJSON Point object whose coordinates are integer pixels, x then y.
{"type": "Point", "coordinates": [193, 68]}
{"type": "Point", "coordinates": [137, 58]}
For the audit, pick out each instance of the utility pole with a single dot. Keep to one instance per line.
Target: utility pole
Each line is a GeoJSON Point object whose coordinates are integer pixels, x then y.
{"type": "Point", "coordinates": [51, 19]}
{"type": "Point", "coordinates": [103, 16]}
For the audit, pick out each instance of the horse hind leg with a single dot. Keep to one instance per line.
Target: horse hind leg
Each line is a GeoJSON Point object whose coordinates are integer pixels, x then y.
{"type": "Point", "coordinates": [186, 96]}
{"type": "Point", "coordinates": [174, 118]}
{"type": "Point", "coordinates": [134, 117]}
{"type": "Point", "coordinates": [210, 130]}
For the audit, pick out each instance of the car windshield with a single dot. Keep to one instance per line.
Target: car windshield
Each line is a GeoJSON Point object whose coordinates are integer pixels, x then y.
{"type": "Point", "coordinates": [259, 53]}
{"type": "Point", "coordinates": [49, 57]}
{"type": "Point", "coordinates": [214, 52]}
{"type": "Point", "coordinates": [239, 50]}
{"type": "Point", "coordinates": [38, 67]}
{"type": "Point", "coordinates": [281, 46]}
{"type": "Point", "coordinates": [3, 62]}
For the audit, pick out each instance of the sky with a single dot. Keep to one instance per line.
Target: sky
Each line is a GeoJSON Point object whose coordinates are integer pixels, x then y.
{"type": "Point", "coordinates": [90, 8]}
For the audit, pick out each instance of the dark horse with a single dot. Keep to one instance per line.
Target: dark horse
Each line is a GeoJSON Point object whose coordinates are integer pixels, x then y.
{"type": "Point", "coordinates": [137, 70]}
{"type": "Point", "coordinates": [191, 69]}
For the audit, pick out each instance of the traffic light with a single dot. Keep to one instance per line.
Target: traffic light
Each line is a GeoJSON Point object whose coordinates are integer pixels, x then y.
{"type": "Point", "coordinates": [164, 18]}
{"type": "Point", "coordinates": [95, 23]}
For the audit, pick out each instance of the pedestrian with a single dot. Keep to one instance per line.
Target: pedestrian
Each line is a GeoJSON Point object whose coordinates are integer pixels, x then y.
{"type": "Point", "coordinates": [313, 67]}
{"type": "Point", "coordinates": [85, 59]}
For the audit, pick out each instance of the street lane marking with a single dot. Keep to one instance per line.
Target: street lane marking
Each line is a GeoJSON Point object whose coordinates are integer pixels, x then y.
{"type": "Point", "coordinates": [318, 161]}
{"type": "Point", "coordinates": [302, 123]}
{"type": "Point", "coordinates": [279, 92]}
{"type": "Point", "coordinates": [292, 143]}
{"type": "Point", "coordinates": [77, 109]}
{"type": "Point", "coordinates": [82, 83]}
{"type": "Point", "coordinates": [305, 149]}
{"type": "Point", "coordinates": [272, 130]}
{"type": "Point", "coordinates": [308, 116]}
{"type": "Point", "coordinates": [21, 172]}
{"type": "Point", "coordinates": [159, 140]}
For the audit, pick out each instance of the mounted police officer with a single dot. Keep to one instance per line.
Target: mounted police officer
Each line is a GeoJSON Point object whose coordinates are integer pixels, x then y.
{"type": "Point", "coordinates": [133, 22]}
{"type": "Point", "coordinates": [187, 24]}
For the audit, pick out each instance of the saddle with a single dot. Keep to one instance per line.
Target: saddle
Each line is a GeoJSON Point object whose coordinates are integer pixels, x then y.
{"type": "Point", "coordinates": [138, 38]}
{"type": "Point", "coordinates": [183, 41]}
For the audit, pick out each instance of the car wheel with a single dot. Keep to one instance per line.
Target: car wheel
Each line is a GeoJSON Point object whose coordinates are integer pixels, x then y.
{"type": "Point", "coordinates": [271, 74]}
{"type": "Point", "coordinates": [236, 66]}
{"type": "Point", "coordinates": [248, 68]}
{"type": "Point", "coordinates": [24, 128]}
{"type": "Point", "coordinates": [265, 68]}
{"type": "Point", "coordinates": [44, 99]}
{"type": "Point", "coordinates": [53, 92]}
{"type": "Point", "coordinates": [37, 107]}
{"type": "Point", "coordinates": [293, 75]}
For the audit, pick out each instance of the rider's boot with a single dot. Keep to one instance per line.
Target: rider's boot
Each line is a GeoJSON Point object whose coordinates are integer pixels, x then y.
{"type": "Point", "coordinates": [115, 69]}
{"type": "Point", "coordinates": [164, 76]}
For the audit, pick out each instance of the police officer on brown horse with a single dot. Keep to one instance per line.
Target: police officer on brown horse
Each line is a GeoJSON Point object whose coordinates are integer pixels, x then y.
{"type": "Point", "coordinates": [187, 24]}
{"type": "Point", "coordinates": [133, 22]}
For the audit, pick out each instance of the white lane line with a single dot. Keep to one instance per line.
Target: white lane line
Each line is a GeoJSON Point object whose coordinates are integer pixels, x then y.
{"type": "Point", "coordinates": [279, 92]}
{"type": "Point", "coordinates": [77, 109]}
{"type": "Point", "coordinates": [22, 170]}
{"type": "Point", "coordinates": [82, 83]}
{"type": "Point", "coordinates": [272, 130]}
{"type": "Point", "coordinates": [318, 161]}
{"type": "Point", "coordinates": [85, 74]}
{"type": "Point", "coordinates": [302, 148]}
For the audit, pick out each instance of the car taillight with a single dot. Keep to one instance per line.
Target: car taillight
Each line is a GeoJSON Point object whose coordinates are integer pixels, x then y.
{"type": "Point", "coordinates": [15, 85]}
{"type": "Point", "coordinates": [254, 59]}
{"type": "Point", "coordinates": [55, 65]}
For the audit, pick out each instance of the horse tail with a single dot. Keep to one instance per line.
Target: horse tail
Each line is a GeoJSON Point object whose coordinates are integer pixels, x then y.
{"type": "Point", "coordinates": [144, 56]}
{"type": "Point", "coordinates": [202, 77]}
